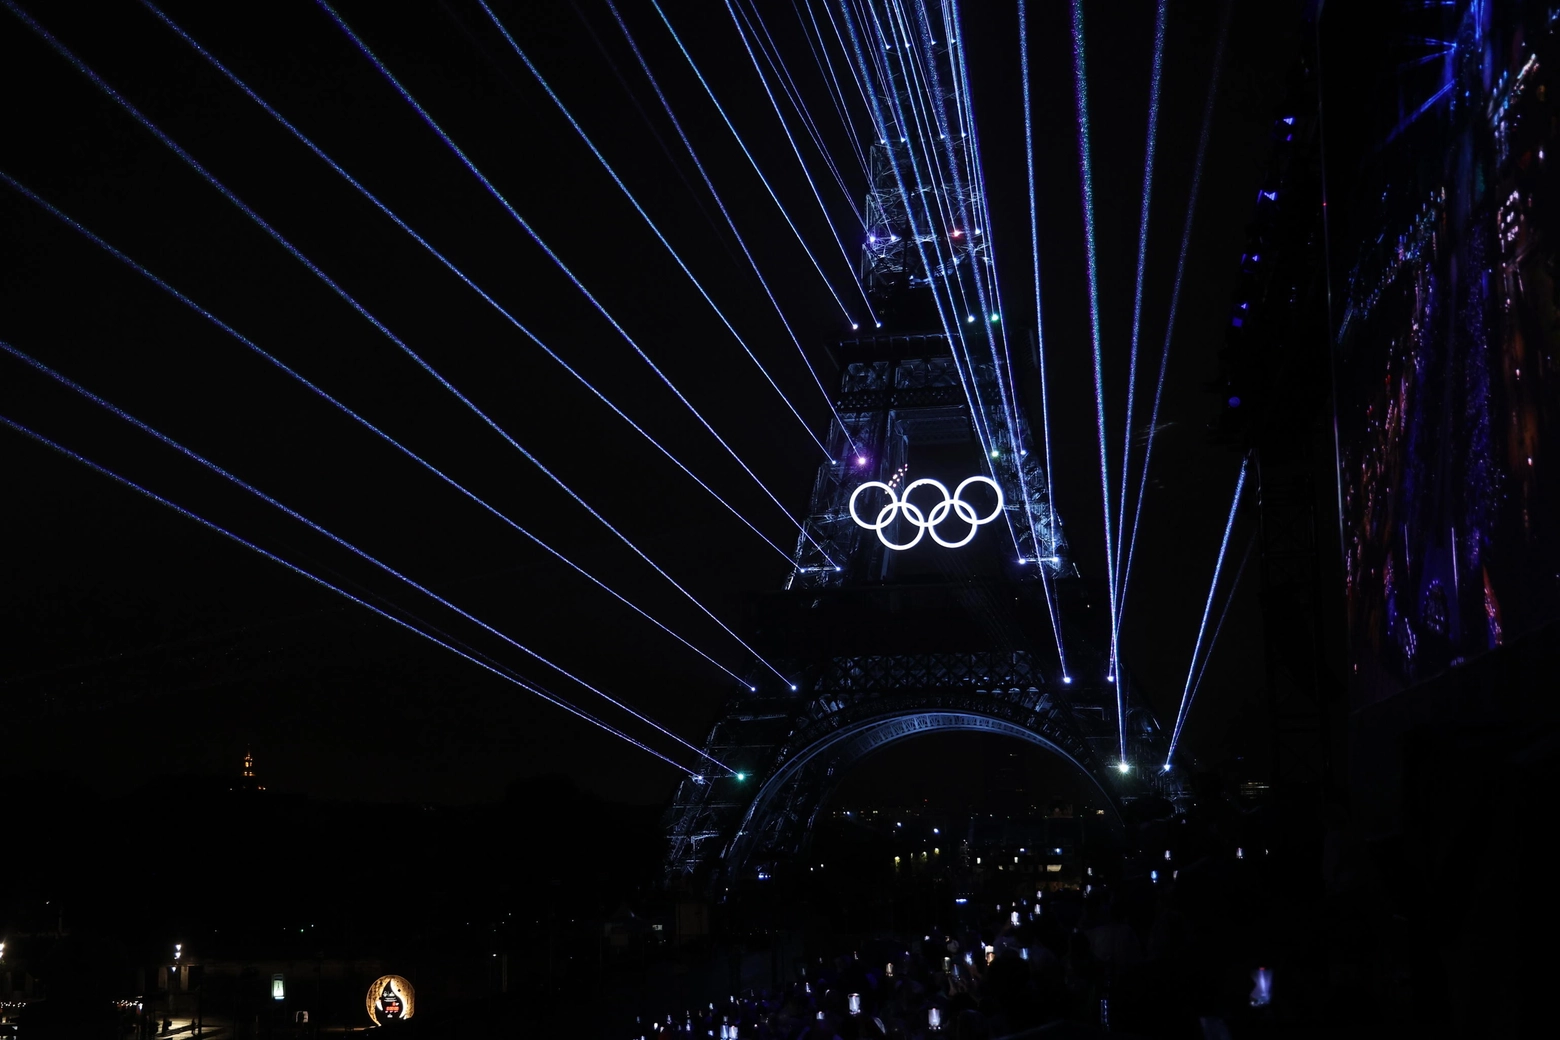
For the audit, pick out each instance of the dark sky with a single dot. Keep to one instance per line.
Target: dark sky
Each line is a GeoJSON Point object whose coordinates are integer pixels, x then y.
{"type": "Point", "coordinates": [137, 644]}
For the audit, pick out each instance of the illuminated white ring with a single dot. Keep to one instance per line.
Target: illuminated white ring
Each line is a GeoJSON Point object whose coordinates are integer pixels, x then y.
{"type": "Point", "coordinates": [929, 520]}
{"type": "Point", "coordinates": [887, 514]}
{"type": "Point", "coordinates": [893, 500]}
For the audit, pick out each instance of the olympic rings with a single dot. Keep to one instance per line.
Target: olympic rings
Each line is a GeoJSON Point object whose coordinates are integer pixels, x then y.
{"type": "Point", "coordinates": [927, 520]}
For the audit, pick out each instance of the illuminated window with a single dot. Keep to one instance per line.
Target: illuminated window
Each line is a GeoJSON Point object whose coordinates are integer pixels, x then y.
{"type": "Point", "coordinates": [1053, 868]}
{"type": "Point", "coordinates": [278, 989]}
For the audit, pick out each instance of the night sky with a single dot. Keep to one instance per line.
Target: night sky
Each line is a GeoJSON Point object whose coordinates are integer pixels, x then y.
{"type": "Point", "coordinates": [137, 644]}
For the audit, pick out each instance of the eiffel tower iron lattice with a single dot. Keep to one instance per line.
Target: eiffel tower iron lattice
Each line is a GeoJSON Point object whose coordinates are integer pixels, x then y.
{"type": "Point", "coordinates": [883, 645]}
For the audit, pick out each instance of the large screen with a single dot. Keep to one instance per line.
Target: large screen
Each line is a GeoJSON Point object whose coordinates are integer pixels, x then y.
{"type": "Point", "coordinates": [1449, 349]}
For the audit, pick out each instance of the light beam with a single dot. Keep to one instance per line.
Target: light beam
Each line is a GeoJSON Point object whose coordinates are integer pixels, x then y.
{"type": "Point", "coordinates": [633, 201]}
{"type": "Point", "coordinates": [319, 392]}
{"type": "Point", "coordinates": [452, 268]}
{"type": "Point", "coordinates": [1137, 299]}
{"type": "Point", "coordinates": [207, 464]}
{"type": "Point", "coordinates": [499, 197]}
{"type": "Point", "coordinates": [754, 163]}
{"type": "Point", "coordinates": [1034, 248]}
{"type": "Point", "coordinates": [1080, 72]}
{"type": "Point", "coordinates": [1175, 292]}
{"type": "Point", "coordinates": [55, 446]}
{"type": "Point", "coordinates": [1218, 565]}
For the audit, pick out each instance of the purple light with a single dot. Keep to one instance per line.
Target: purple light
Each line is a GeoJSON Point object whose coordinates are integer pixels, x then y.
{"type": "Point", "coordinates": [1234, 402]}
{"type": "Point", "coordinates": [861, 460]}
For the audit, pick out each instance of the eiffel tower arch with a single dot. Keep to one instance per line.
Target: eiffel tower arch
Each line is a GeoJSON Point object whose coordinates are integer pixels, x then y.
{"type": "Point", "coordinates": [899, 622]}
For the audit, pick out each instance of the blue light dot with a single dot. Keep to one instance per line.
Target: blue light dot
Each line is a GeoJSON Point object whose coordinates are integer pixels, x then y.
{"type": "Point", "coordinates": [1234, 402]}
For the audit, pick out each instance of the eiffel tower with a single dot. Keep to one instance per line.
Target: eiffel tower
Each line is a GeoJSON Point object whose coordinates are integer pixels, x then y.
{"type": "Point", "coordinates": [890, 632]}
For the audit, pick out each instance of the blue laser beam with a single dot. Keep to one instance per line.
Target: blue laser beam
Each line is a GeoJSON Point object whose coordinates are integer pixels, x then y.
{"type": "Point", "coordinates": [968, 379]}
{"type": "Point", "coordinates": [800, 160]}
{"type": "Point", "coordinates": [931, 96]}
{"type": "Point", "coordinates": [1175, 294]}
{"type": "Point", "coordinates": [1137, 301]}
{"type": "Point", "coordinates": [849, 18]}
{"type": "Point", "coordinates": [800, 238]}
{"type": "Point", "coordinates": [955, 32]}
{"type": "Point", "coordinates": [1034, 249]}
{"type": "Point", "coordinates": [879, 132]}
{"type": "Point", "coordinates": [1213, 640]}
{"type": "Point", "coordinates": [125, 482]}
{"type": "Point", "coordinates": [930, 123]}
{"type": "Point", "coordinates": [1080, 71]}
{"type": "Point", "coordinates": [452, 268]}
{"type": "Point", "coordinates": [825, 63]}
{"type": "Point", "coordinates": [1218, 565]}
{"type": "Point", "coordinates": [346, 297]}
{"type": "Point", "coordinates": [499, 197]}
{"type": "Point", "coordinates": [930, 86]}
{"type": "Point", "coordinates": [319, 392]}
{"type": "Point", "coordinates": [971, 387]}
{"type": "Point", "coordinates": [654, 228]}
{"type": "Point", "coordinates": [775, 60]}
{"type": "Point", "coordinates": [150, 431]}
{"type": "Point", "coordinates": [730, 222]}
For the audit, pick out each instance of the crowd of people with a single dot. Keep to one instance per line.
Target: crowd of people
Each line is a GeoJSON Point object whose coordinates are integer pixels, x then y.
{"type": "Point", "coordinates": [1120, 958]}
